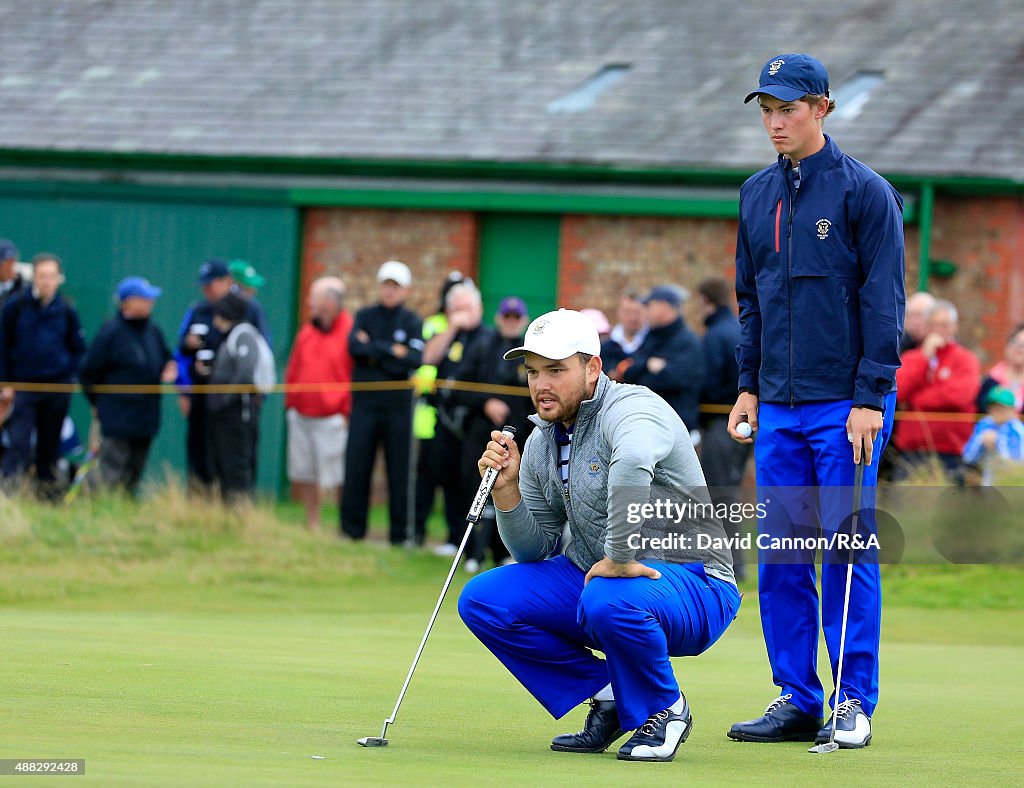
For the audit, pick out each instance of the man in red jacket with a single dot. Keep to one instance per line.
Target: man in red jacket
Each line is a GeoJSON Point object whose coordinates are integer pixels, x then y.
{"type": "Point", "coordinates": [940, 375]}
{"type": "Point", "coordinates": [318, 417]}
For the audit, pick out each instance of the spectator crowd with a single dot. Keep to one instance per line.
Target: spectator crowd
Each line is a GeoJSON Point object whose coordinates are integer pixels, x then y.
{"type": "Point", "coordinates": [428, 392]}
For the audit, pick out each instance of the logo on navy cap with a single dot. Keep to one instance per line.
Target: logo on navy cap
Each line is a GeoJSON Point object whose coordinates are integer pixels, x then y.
{"type": "Point", "coordinates": [774, 66]}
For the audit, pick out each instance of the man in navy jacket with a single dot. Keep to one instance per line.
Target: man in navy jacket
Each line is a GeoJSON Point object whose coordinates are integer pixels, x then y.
{"type": "Point", "coordinates": [386, 345]}
{"type": "Point", "coordinates": [128, 350]}
{"type": "Point", "coordinates": [669, 362]}
{"type": "Point", "coordinates": [41, 342]}
{"type": "Point", "coordinates": [820, 286]}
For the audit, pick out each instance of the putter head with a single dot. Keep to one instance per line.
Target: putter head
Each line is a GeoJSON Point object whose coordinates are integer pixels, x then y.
{"type": "Point", "coordinates": [829, 746]}
{"type": "Point", "coordinates": [372, 741]}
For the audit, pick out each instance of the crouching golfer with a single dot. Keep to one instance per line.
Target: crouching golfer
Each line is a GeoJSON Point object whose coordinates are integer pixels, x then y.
{"type": "Point", "coordinates": [601, 447]}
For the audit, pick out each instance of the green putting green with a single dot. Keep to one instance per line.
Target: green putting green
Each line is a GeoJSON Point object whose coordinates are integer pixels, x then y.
{"type": "Point", "coordinates": [201, 647]}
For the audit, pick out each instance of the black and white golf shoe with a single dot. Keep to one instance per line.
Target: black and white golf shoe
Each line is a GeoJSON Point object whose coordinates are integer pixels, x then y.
{"type": "Point", "coordinates": [659, 737]}
{"type": "Point", "coordinates": [781, 721]}
{"type": "Point", "coordinates": [853, 727]}
{"type": "Point", "coordinates": [599, 731]}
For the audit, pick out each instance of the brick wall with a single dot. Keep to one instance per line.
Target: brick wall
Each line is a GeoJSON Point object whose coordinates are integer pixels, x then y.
{"type": "Point", "coordinates": [985, 238]}
{"type": "Point", "coordinates": [353, 242]}
{"type": "Point", "coordinates": [601, 256]}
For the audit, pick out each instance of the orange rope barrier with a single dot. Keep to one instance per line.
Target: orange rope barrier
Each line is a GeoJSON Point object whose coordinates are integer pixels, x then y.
{"type": "Point", "coordinates": [396, 385]}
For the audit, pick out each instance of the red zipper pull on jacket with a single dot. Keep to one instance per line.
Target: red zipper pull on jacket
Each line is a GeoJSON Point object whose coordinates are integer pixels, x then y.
{"type": "Point", "coordinates": [778, 222]}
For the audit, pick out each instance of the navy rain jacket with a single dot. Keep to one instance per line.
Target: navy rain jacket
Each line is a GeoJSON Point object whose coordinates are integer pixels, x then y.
{"type": "Point", "coordinates": [126, 352]}
{"type": "Point", "coordinates": [820, 282]}
{"type": "Point", "coordinates": [679, 382]}
{"type": "Point", "coordinates": [40, 343]}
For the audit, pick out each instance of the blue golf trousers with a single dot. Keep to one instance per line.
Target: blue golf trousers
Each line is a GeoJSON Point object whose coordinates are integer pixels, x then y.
{"type": "Point", "coordinates": [805, 475]}
{"type": "Point", "coordinates": [543, 624]}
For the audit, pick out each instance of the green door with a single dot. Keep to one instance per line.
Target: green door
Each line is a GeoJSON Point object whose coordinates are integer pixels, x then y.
{"type": "Point", "coordinates": [519, 256]}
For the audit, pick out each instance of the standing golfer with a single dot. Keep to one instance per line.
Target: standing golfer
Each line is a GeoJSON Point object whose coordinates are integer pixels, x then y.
{"type": "Point", "coordinates": [819, 281]}
{"type": "Point", "coordinates": [637, 593]}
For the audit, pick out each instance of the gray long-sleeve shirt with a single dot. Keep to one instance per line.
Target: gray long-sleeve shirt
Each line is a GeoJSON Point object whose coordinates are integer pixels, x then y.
{"type": "Point", "coordinates": [628, 448]}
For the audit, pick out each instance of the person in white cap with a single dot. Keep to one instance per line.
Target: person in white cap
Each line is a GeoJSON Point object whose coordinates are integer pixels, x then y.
{"type": "Point", "coordinates": [638, 588]}
{"type": "Point", "coordinates": [386, 345]}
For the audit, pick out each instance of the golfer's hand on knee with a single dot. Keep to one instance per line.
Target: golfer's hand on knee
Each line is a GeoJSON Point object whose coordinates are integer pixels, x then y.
{"type": "Point", "coordinates": [606, 567]}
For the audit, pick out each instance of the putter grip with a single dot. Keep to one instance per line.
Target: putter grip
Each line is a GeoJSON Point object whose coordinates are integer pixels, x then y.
{"type": "Point", "coordinates": [486, 484]}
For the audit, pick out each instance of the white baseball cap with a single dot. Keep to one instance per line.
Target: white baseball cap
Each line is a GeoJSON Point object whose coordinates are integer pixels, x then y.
{"type": "Point", "coordinates": [558, 335]}
{"type": "Point", "coordinates": [396, 272]}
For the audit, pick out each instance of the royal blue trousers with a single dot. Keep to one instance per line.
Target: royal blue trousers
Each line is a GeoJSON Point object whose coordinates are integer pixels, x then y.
{"type": "Point", "coordinates": [805, 476]}
{"type": "Point", "coordinates": [543, 624]}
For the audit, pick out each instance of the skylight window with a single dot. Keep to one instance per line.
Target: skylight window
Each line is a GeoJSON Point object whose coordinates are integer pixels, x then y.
{"type": "Point", "coordinates": [583, 96]}
{"type": "Point", "coordinates": [852, 96]}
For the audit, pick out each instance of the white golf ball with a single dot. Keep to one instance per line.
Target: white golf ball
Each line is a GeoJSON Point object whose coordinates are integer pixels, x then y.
{"type": "Point", "coordinates": [743, 429]}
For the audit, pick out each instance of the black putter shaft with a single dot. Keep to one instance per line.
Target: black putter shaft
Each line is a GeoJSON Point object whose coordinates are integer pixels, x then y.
{"type": "Point", "coordinates": [475, 510]}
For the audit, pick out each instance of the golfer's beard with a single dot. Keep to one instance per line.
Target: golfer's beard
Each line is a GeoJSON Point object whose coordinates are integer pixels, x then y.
{"type": "Point", "coordinates": [567, 408]}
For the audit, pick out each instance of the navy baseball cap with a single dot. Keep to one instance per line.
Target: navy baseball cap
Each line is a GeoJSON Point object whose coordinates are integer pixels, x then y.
{"type": "Point", "coordinates": [211, 269]}
{"type": "Point", "coordinates": [8, 251]}
{"type": "Point", "coordinates": [667, 293]}
{"type": "Point", "coordinates": [137, 287]}
{"type": "Point", "coordinates": [791, 77]}
{"type": "Point", "coordinates": [512, 305]}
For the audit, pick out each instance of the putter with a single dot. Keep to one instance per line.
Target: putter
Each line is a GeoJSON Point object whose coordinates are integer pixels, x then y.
{"type": "Point", "coordinates": [475, 510]}
{"type": "Point", "coordinates": [858, 485]}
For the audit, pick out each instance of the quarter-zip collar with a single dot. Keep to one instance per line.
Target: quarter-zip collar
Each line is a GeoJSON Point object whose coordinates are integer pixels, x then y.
{"type": "Point", "coordinates": [823, 160]}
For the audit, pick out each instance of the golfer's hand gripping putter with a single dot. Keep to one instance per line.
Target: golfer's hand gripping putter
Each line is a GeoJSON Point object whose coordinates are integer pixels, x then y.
{"type": "Point", "coordinates": [487, 483]}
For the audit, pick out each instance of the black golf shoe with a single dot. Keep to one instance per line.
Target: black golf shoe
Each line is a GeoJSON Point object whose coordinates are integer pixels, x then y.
{"type": "Point", "coordinates": [659, 737]}
{"type": "Point", "coordinates": [853, 727]}
{"type": "Point", "coordinates": [782, 721]}
{"type": "Point", "coordinates": [600, 730]}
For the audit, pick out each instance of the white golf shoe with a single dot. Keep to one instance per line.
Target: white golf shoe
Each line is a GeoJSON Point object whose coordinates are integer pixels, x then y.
{"type": "Point", "coordinates": [853, 727]}
{"type": "Point", "coordinates": [659, 737]}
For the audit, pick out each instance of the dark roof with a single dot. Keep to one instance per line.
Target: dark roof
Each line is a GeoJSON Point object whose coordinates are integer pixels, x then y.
{"type": "Point", "coordinates": [471, 80]}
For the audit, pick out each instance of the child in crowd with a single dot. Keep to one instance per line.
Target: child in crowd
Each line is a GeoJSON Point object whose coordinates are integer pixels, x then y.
{"type": "Point", "coordinates": [999, 436]}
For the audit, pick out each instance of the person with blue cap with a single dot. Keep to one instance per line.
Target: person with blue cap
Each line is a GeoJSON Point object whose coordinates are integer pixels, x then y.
{"type": "Point", "coordinates": [198, 340]}
{"type": "Point", "coordinates": [820, 289]}
{"type": "Point", "coordinates": [129, 350]}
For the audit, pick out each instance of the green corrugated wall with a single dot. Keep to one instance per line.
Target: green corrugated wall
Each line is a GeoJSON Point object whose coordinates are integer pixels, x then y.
{"type": "Point", "coordinates": [163, 239]}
